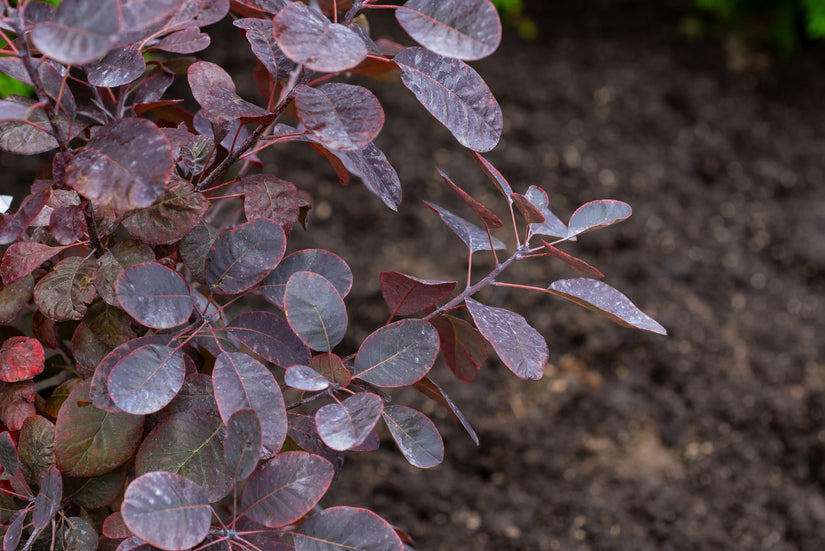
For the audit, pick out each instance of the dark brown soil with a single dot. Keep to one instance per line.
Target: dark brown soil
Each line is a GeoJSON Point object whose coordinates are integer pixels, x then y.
{"type": "Point", "coordinates": [710, 438]}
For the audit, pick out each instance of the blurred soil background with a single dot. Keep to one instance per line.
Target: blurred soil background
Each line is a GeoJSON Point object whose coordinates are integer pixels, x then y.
{"type": "Point", "coordinates": [710, 438]}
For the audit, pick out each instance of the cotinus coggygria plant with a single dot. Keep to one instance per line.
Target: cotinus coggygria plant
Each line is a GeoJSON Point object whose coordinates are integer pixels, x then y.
{"type": "Point", "coordinates": [140, 411]}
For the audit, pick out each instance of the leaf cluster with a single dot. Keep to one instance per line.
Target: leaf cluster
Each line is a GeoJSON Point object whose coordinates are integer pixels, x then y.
{"type": "Point", "coordinates": [144, 403]}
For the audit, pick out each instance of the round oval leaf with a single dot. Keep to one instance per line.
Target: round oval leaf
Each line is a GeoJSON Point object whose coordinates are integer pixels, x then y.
{"type": "Point", "coordinates": [345, 529]}
{"type": "Point", "coordinates": [156, 296]}
{"type": "Point", "coordinates": [306, 36]}
{"type": "Point", "coordinates": [171, 217]}
{"type": "Point", "coordinates": [82, 31]}
{"type": "Point", "coordinates": [315, 310]}
{"type": "Point", "coordinates": [345, 425]}
{"type": "Point", "coordinates": [398, 354]}
{"type": "Point", "coordinates": [455, 95]}
{"type": "Point", "coordinates": [466, 29]}
{"type": "Point", "coordinates": [167, 510]}
{"type": "Point", "coordinates": [286, 487]}
{"type": "Point", "coordinates": [271, 337]}
{"type": "Point", "coordinates": [329, 265]}
{"type": "Point", "coordinates": [342, 116]}
{"type": "Point", "coordinates": [118, 67]}
{"type": "Point", "coordinates": [305, 378]}
{"type": "Point", "coordinates": [146, 379]}
{"type": "Point", "coordinates": [242, 256]}
{"type": "Point", "coordinates": [21, 358]}
{"type": "Point", "coordinates": [242, 443]}
{"type": "Point", "coordinates": [415, 435]}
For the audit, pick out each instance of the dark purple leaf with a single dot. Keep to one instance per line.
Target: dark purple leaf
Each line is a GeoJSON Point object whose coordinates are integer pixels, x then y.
{"type": "Point", "coordinates": [21, 358]}
{"type": "Point", "coordinates": [125, 165]}
{"type": "Point", "coordinates": [306, 36]}
{"type": "Point", "coordinates": [241, 382]}
{"type": "Point", "coordinates": [596, 214]}
{"type": "Point", "coordinates": [271, 337]}
{"type": "Point", "coordinates": [167, 510]}
{"type": "Point", "coordinates": [463, 347]}
{"type": "Point", "coordinates": [188, 444]}
{"type": "Point", "coordinates": [604, 299]}
{"type": "Point", "coordinates": [12, 111]}
{"type": "Point", "coordinates": [342, 116]}
{"type": "Point", "coordinates": [522, 349]}
{"type": "Point", "coordinates": [347, 424]}
{"type": "Point", "coordinates": [14, 297]}
{"type": "Point", "coordinates": [242, 443]}
{"type": "Point", "coordinates": [15, 67]}
{"type": "Point", "coordinates": [194, 248]}
{"type": "Point", "coordinates": [14, 224]}
{"type": "Point", "coordinates": [8, 456]}
{"type": "Point", "coordinates": [35, 444]}
{"type": "Point", "coordinates": [17, 403]}
{"type": "Point", "coordinates": [15, 530]}
{"type": "Point", "coordinates": [397, 354]}
{"type": "Point", "coordinates": [67, 224]}
{"type": "Point", "coordinates": [322, 262]}
{"type": "Point", "coordinates": [269, 6]}
{"type": "Point", "coordinates": [195, 394]}
{"type": "Point", "coordinates": [119, 256]}
{"type": "Point", "coordinates": [286, 488]}
{"type": "Point", "coordinates": [114, 527]}
{"type": "Point", "coordinates": [487, 216]}
{"type": "Point", "coordinates": [214, 90]}
{"type": "Point", "coordinates": [305, 378]}
{"type": "Point", "coordinates": [474, 237]}
{"type": "Point", "coordinates": [137, 15]}
{"type": "Point", "coordinates": [455, 95]}
{"type": "Point", "coordinates": [302, 432]}
{"type": "Point", "coordinates": [91, 442]}
{"type": "Point", "coordinates": [81, 32]}
{"type": "Point", "coordinates": [63, 293]}
{"type": "Point", "coordinates": [370, 443]}
{"type": "Point", "coordinates": [407, 295]}
{"type": "Point", "coordinates": [48, 500]}
{"type": "Point", "coordinates": [576, 263]}
{"type": "Point", "coordinates": [415, 435]}
{"type": "Point", "coordinates": [427, 387]}
{"type": "Point", "coordinates": [53, 79]}
{"type": "Point", "coordinates": [100, 491]}
{"type": "Point", "coordinates": [466, 29]}
{"type": "Point", "coordinates": [551, 226]}
{"type": "Point", "coordinates": [118, 67]}
{"type": "Point", "coordinates": [315, 310]}
{"type": "Point", "coordinates": [346, 528]}
{"type": "Point", "coordinates": [197, 155]}
{"type": "Point", "coordinates": [175, 213]}
{"type": "Point", "coordinates": [265, 47]}
{"type": "Point", "coordinates": [528, 210]}
{"type": "Point", "coordinates": [80, 534]}
{"type": "Point", "coordinates": [375, 171]}
{"type": "Point", "coordinates": [156, 296]}
{"type": "Point", "coordinates": [242, 256]}
{"type": "Point", "coordinates": [146, 379]}
{"type": "Point", "coordinates": [184, 41]}
{"type": "Point", "coordinates": [152, 88]}
{"type": "Point", "coordinates": [266, 196]}
{"type": "Point", "coordinates": [34, 136]}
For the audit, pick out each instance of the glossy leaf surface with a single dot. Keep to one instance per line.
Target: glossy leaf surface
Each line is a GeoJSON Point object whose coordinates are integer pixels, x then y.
{"type": "Point", "coordinates": [156, 296]}
{"type": "Point", "coordinates": [184, 41]}
{"type": "Point", "coordinates": [118, 67]}
{"type": "Point", "coordinates": [214, 90]}
{"type": "Point", "coordinates": [375, 171]}
{"type": "Point", "coordinates": [455, 95]}
{"type": "Point", "coordinates": [344, 425]}
{"type": "Point", "coordinates": [285, 488]}
{"type": "Point", "coordinates": [242, 443]}
{"type": "Point", "coordinates": [271, 337]}
{"type": "Point", "coordinates": [23, 257]}
{"type": "Point", "coordinates": [474, 237]}
{"type": "Point", "coordinates": [341, 116]}
{"type": "Point", "coordinates": [188, 444]}
{"type": "Point", "coordinates": [466, 29]}
{"type": "Point", "coordinates": [315, 310]}
{"type": "Point", "coordinates": [92, 442]}
{"type": "Point", "coordinates": [82, 31]}
{"type": "Point", "coordinates": [146, 379]}
{"type": "Point", "coordinates": [522, 349]}
{"type": "Point", "coordinates": [407, 295]}
{"type": "Point", "coordinates": [306, 36]}
{"type": "Point", "coordinates": [552, 226]}
{"type": "Point", "coordinates": [125, 165]}
{"type": "Point", "coordinates": [242, 256]}
{"type": "Point", "coordinates": [266, 196]}
{"type": "Point", "coordinates": [604, 299]}
{"type": "Point", "coordinates": [397, 354]}
{"type": "Point", "coordinates": [30, 137]}
{"type": "Point", "coordinates": [265, 47]}
{"type": "Point", "coordinates": [21, 358]}
{"type": "Point", "coordinates": [345, 529]}
{"type": "Point", "coordinates": [322, 262]}
{"type": "Point", "coordinates": [596, 214]}
{"type": "Point", "coordinates": [63, 293]}
{"type": "Point", "coordinates": [167, 510]}
{"type": "Point", "coordinates": [416, 436]}
{"type": "Point", "coordinates": [305, 378]}
{"type": "Point", "coordinates": [241, 382]}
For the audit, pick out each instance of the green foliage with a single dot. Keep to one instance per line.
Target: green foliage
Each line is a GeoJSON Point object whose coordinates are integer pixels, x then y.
{"type": "Point", "coordinates": [512, 14]}
{"type": "Point", "coordinates": [9, 85]}
{"type": "Point", "coordinates": [781, 24]}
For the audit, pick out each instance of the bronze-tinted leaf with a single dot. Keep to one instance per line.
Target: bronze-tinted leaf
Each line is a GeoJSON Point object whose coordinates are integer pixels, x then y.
{"type": "Point", "coordinates": [14, 297]}
{"type": "Point", "coordinates": [63, 293]}
{"type": "Point", "coordinates": [16, 403]}
{"type": "Point", "coordinates": [36, 447]}
{"type": "Point", "coordinates": [23, 257]}
{"type": "Point", "coordinates": [266, 196]}
{"type": "Point", "coordinates": [462, 346]}
{"type": "Point", "coordinates": [175, 213]}
{"type": "Point", "coordinates": [214, 90]}
{"type": "Point", "coordinates": [21, 358]}
{"type": "Point", "coordinates": [576, 263]}
{"type": "Point", "coordinates": [407, 295]}
{"type": "Point", "coordinates": [487, 216]}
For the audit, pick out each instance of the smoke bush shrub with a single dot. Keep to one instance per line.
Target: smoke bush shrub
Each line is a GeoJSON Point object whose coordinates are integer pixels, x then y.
{"type": "Point", "coordinates": [139, 413]}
